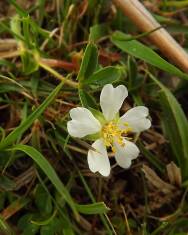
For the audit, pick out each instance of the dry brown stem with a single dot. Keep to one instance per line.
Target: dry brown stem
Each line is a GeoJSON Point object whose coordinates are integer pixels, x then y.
{"type": "Point", "coordinates": [136, 11]}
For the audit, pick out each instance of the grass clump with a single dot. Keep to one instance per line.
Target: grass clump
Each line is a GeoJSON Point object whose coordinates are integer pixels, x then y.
{"type": "Point", "coordinates": [57, 55]}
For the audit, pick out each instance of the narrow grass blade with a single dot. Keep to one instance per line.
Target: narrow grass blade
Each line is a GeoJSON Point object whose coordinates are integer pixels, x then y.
{"type": "Point", "coordinates": [151, 158]}
{"type": "Point", "coordinates": [95, 208]}
{"type": "Point", "coordinates": [31, 118]}
{"type": "Point", "coordinates": [89, 62]}
{"type": "Point", "coordinates": [4, 228]}
{"type": "Point", "coordinates": [49, 171]}
{"type": "Point", "coordinates": [22, 12]}
{"type": "Point", "coordinates": [175, 125]}
{"type": "Point", "coordinates": [139, 50]}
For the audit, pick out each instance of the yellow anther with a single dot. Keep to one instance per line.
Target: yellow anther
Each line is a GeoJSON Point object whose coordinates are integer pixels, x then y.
{"type": "Point", "coordinates": [128, 129]}
{"type": "Point", "coordinates": [111, 132]}
{"type": "Point", "coordinates": [113, 149]}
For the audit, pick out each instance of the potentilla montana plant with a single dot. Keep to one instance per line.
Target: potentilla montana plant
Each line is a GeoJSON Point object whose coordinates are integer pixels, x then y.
{"type": "Point", "coordinates": [108, 130]}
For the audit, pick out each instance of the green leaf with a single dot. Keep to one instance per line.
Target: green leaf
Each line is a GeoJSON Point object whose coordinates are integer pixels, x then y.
{"type": "Point", "coordinates": [175, 125]}
{"type": "Point", "coordinates": [97, 31]}
{"type": "Point", "coordinates": [139, 50]}
{"type": "Point", "coordinates": [31, 118]}
{"type": "Point", "coordinates": [31, 229]}
{"type": "Point", "coordinates": [89, 62]}
{"type": "Point", "coordinates": [15, 26]}
{"type": "Point", "coordinates": [8, 29]}
{"type": "Point", "coordinates": [95, 208]}
{"type": "Point", "coordinates": [48, 170]}
{"type": "Point", "coordinates": [104, 76]}
{"type": "Point", "coordinates": [29, 64]}
{"type": "Point", "coordinates": [26, 226]}
{"type": "Point", "coordinates": [26, 31]}
{"type": "Point", "coordinates": [86, 99]}
{"type": "Point", "coordinates": [20, 11]}
{"type": "Point", "coordinates": [43, 200]}
{"type": "Point", "coordinates": [52, 228]}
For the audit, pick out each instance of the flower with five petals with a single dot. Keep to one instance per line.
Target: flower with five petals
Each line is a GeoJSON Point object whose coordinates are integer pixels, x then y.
{"type": "Point", "coordinates": [109, 130]}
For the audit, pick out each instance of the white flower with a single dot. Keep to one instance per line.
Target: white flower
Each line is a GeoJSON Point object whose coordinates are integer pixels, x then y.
{"type": "Point", "coordinates": [111, 130]}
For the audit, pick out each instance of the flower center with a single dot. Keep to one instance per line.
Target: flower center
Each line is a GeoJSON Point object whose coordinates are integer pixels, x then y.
{"type": "Point", "coordinates": [111, 132]}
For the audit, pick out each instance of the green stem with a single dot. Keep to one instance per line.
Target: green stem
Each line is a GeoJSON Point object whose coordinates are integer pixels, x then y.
{"type": "Point", "coordinates": [57, 75]}
{"type": "Point", "coordinates": [176, 3]}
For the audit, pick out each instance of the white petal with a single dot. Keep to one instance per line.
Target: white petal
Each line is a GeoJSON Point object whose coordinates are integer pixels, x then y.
{"type": "Point", "coordinates": [136, 119]}
{"type": "Point", "coordinates": [111, 100]}
{"type": "Point", "coordinates": [124, 155]}
{"type": "Point", "coordinates": [98, 160]}
{"type": "Point", "coordinates": [83, 123]}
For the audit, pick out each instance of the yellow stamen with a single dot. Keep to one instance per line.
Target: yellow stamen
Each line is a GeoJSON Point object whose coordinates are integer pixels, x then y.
{"type": "Point", "coordinates": [111, 132]}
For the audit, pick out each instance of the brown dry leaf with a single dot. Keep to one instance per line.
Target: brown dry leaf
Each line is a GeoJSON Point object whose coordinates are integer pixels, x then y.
{"type": "Point", "coordinates": [8, 44]}
{"type": "Point", "coordinates": [174, 174]}
{"type": "Point", "coordinates": [156, 181]}
{"type": "Point", "coordinates": [82, 8]}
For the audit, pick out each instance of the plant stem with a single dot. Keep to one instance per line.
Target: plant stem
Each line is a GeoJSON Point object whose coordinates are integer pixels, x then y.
{"type": "Point", "coordinates": [57, 75]}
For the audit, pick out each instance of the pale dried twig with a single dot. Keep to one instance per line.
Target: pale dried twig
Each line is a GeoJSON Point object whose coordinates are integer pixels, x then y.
{"type": "Point", "coordinates": [174, 174]}
{"type": "Point", "coordinates": [156, 181]}
{"type": "Point", "coordinates": [136, 11]}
